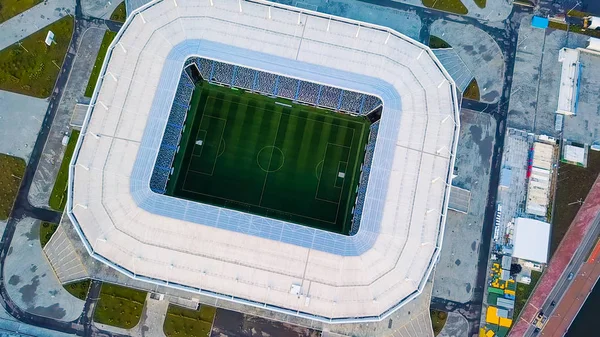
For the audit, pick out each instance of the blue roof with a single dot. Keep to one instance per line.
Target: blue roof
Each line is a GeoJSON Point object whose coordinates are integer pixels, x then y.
{"type": "Point", "coordinates": [539, 22]}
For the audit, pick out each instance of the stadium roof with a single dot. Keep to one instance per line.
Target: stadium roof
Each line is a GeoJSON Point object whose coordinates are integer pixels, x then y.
{"type": "Point", "coordinates": [247, 258]}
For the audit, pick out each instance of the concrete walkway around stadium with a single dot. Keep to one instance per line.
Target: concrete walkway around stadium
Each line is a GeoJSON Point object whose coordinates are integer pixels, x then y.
{"type": "Point", "coordinates": [53, 152]}
{"type": "Point", "coordinates": [33, 19]}
{"type": "Point", "coordinates": [479, 52]}
{"type": "Point", "coordinates": [30, 281]}
{"type": "Point", "coordinates": [458, 266]}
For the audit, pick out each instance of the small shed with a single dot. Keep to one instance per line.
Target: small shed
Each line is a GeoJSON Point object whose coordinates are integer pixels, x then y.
{"type": "Point", "coordinates": [539, 22]}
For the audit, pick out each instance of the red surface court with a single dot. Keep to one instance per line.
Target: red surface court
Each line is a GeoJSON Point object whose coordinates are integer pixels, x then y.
{"type": "Point", "coordinates": [565, 252]}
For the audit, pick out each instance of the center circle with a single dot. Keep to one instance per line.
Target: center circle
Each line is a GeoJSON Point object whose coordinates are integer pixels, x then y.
{"type": "Point", "coordinates": [270, 158]}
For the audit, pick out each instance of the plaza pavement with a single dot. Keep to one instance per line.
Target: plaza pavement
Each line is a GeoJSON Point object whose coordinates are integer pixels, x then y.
{"type": "Point", "coordinates": [30, 281]}
{"type": "Point", "coordinates": [20, 122]}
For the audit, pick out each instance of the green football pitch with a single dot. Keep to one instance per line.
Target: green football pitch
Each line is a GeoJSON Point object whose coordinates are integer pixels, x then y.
{"type": "Point", "coordinates": [270, 157]}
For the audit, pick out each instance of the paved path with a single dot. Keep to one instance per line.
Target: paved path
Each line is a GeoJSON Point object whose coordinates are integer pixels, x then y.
{"type": "Point", "coordinates": [30, 281]}
{"type": "Point", "coordinates": [479, 52]}
{"type": "Point", "coordinates": [88, 45]}
{"type": "Point", "coordinates": [34, 19]}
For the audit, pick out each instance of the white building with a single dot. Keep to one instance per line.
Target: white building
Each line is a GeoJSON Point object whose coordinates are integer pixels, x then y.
{"type": "Point", "coordinates": [531, 240]}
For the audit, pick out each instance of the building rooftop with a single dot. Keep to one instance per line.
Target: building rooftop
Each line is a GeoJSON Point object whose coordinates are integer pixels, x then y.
{"type": "Point", "coordinates": [531, 240]}
{"type": "Point", "coordinates": [242, 257]}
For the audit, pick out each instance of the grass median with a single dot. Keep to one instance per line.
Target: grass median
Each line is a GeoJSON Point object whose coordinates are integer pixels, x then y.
{"type": "Point", "coordinates": [438, 43]}
{"type": "Point", "coordinates": [106, 40]}
{"type": "Point", "coordinates": [451, 6]}
{"type": "Point", "coordinates": [11, 173]}
{"type": "Point", "coordinates": [46, 231]}
{"type": "Point", "coordinates": [119, 14]}
{"type": "Point", "coordinates": [58, 197]}
{"type": "Point", "coordinates": [78, 289]}
{"type": "Point", "coordinates": [119, 306]}
{"type": "Point", "coordinates": [472, 91]}
{"type": "Point", "coordinates": [30, 67]}
{"type": "Point", "coordinates": [182, 322]}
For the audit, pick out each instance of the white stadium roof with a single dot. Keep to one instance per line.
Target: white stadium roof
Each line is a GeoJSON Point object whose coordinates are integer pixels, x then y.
{"type": "Point", "coordinates": [242, 257]}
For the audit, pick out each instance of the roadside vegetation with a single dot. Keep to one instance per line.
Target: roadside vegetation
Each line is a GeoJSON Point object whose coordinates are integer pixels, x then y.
{"type": "Point", "coordinates": [30, 67]}
{"type": "Point", "coordinates": [119, 306]}
{"type": "Point", "coordinates": [58, 196]}
{"type": "Point", "coordinates": [480, 3]}
{"type": "Point", "coordinates": [106, 40]}
{"type": "Point", "coordinates": [523, 292]}
{"type": "Point", "coordinates": [452, 6]}
{"type": "Point", "coordinates": [10, 8]}
{"type": "Point", "coordinates": [472, 91]}
{"type": "Point", "coordinates": [79, 289]}
{"type": "Point", "coordinates": [578, 14]}
{"type": "Point", "coordinates": [438, 320]}
{"type": "Point", "coordinates": [574, 29]}
{"type": "Point", "coordinates": [182, 322]}
{"type": "Point", "coordinates": [119, 14]}
{"type": "Point", "coordinates": [574, 183]}
{"type": "Point", "coordinates": [46, 231]}
{"type": "Point", "coordinates": [11, 173]}
{"type": "Point", "coordinates": [437, 43]}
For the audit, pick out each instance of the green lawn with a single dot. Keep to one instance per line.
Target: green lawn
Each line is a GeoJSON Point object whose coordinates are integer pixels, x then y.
{"type": "Point", "coordinates": [78, 289]}
{"type": "Point", "coordinates": [119, 306]}
{"type": "Point", "coordinates": [437, 43]}
{"type": "Point", "coordinates": [181, 322]}
{"type": "Point", "coordinates": [11, 173]}
{"type": "Point", "coordinates": [10, 8]}
{"type": "Point", "coordinates": [106, 40]}
{"type": "Point", "coordinates": [58, 197]}
{"type": "Point", "coordinates": [46, 231]}
{"type": "Point", "coordinates": [472, 91]}
{"type": "Point", "coordinates": [523, 292]}
{"type": "Point", "coordinates": [452, 6]}
{"type": "Point", "coordinates": [243, 151]}
{"type": "Point", "coordinates": [119, 13]}
{"type": "Point", "coordinates": [480, 3]}
{"type": "Point", "coordinates": [438, 320]}
{"type": "Point", "coordinates": [30, 67]}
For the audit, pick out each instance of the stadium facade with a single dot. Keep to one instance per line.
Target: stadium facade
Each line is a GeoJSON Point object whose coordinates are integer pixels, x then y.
{"type": "Point", "coordinates": [246, 258]}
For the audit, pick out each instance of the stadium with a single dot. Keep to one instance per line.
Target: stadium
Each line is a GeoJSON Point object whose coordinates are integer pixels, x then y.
{"type": "Point", "coordinates": [267, 155]}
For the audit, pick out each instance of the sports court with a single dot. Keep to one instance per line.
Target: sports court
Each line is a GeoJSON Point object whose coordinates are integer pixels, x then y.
{"type": "Point", "coordinates": [270, 157]}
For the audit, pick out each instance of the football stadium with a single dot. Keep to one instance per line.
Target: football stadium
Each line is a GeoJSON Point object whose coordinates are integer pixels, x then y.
{"type": "Point", "coordinates": [267, 155]}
